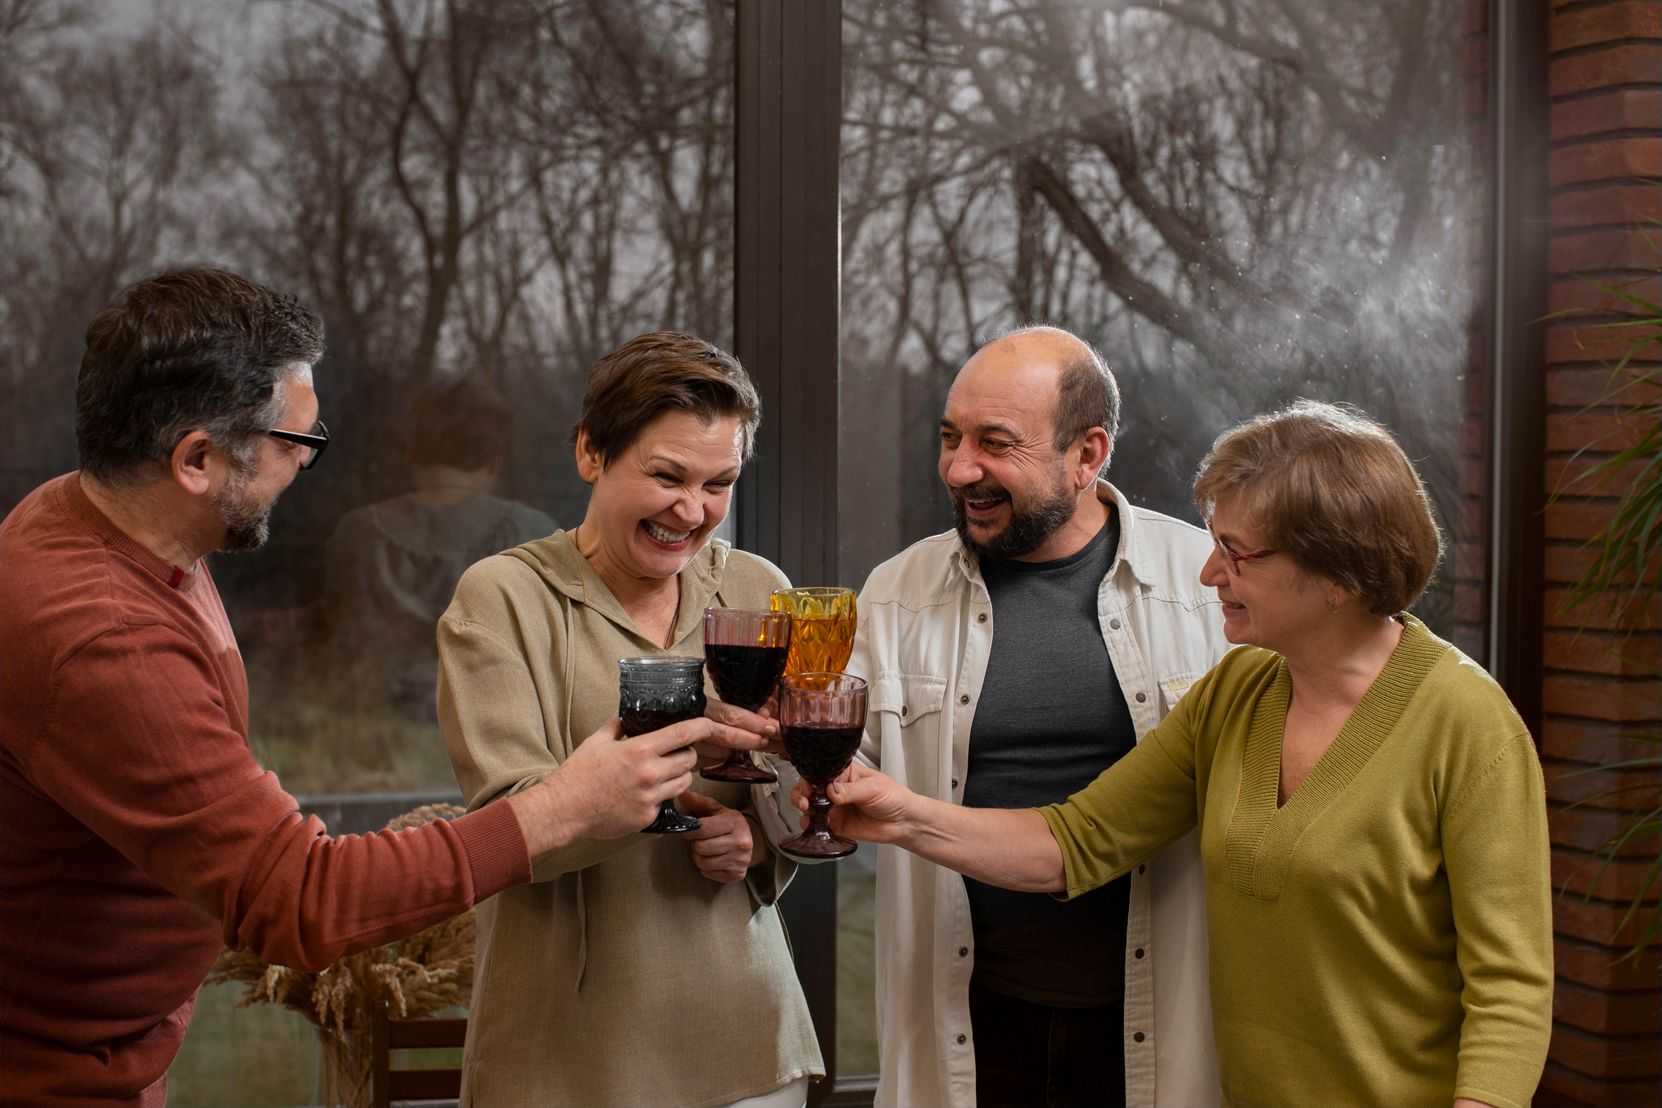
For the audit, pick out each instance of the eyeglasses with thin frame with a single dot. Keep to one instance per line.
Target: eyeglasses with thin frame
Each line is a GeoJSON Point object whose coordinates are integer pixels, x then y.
{"type": "Point", "coordinates": [317, 441]}
{"type": "Point", "coordinates": [1235, 557]}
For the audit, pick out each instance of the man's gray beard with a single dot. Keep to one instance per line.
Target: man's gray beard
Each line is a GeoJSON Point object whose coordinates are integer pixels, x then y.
{"type": "Point", "coordinates": [247, 526]}
{"type": "Point", "coordinates": [1026, 531]}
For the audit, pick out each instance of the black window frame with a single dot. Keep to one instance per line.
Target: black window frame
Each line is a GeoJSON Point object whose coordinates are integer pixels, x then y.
{"type": "Point", "coordinates": [788, 112]}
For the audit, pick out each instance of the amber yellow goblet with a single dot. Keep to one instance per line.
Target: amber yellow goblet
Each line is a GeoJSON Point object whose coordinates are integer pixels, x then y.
{"type": "Point", "coordinates": [822, 627]}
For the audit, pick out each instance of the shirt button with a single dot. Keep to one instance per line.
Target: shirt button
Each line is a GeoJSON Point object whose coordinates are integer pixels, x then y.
{"type": "Point", "coordinates": [962, 1039]}
{"type": "Point", "coordinates": [1138, 1037]}
{"type": "Point", "coordinates": [982, 618]}
{"type": "Point", "coordinates": [963, 952]}
{"type": "Point", "coordinates": [904, 709]}
{"type": "Point", "coordinates": [1139, 952]}
{"type": "Point", "coordinates": [1114, 624]}
{"type": "Point", "coordinates": [963, 698]}
{"type": "Point", "coordinates": [1142, 869]}
{"type": "Point", "coordinates": [955, 782]}
{"type": "Point", "coordinates": [1141, 697]}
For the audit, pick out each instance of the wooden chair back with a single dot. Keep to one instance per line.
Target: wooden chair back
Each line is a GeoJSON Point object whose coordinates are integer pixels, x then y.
{"type": "Point", "coordinates": [390, 1036]}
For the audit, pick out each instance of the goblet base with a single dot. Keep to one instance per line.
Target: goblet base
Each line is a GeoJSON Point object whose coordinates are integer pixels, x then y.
{"type": "Point", "coordinates": [818, 844]}
{"type": "Point", "coordinates": [739, 772]}
{"type": "Point", "coordinates": [670, 821]}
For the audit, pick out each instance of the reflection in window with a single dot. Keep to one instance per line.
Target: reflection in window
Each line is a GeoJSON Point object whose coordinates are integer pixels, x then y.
{"type": "Point", "coordinates": [1239, 202]}
{"type": "Point", "coordinates": [484, 192]}
{"type": "Point", "coordinates": [392, 565]}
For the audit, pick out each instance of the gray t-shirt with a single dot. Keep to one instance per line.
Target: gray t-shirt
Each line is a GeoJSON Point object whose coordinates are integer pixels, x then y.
{"type": "Point", "coordinates": [1050, 718]}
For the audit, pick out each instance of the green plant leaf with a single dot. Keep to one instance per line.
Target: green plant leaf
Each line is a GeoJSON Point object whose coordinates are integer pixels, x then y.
{"type": "Point", "coordinates": [1627, 568]}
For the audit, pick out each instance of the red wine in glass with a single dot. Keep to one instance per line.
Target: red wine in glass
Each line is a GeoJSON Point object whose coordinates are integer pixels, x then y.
{"type": "Point", "coordinates": [822, 716]}
{"type": "Point", "coordinates": [745, 675]}
{"type": "Point", "coordinates": [653, 693]}
{"type": "Point", "coordinates": [820, 753]}
{"type": "Point", "coordinates": [745, 652]}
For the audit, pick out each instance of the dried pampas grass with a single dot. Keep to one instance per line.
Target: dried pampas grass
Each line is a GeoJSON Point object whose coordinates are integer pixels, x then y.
{"type": "Point", "coordinates": [419, 976]}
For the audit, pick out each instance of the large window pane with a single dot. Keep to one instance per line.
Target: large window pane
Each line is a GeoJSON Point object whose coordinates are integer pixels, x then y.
{"type": "Point", "coordinates": [1239, 202]}
{"type": "Point", "coordinates": [484, 193]}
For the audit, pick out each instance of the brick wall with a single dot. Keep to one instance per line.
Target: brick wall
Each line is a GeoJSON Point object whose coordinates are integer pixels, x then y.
{"type": "Point", "coordinates": [1602, 686]}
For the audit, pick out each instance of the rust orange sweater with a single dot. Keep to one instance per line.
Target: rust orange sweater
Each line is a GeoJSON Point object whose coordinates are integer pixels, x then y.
{"type": "Point", "coordinates": [138, 834]}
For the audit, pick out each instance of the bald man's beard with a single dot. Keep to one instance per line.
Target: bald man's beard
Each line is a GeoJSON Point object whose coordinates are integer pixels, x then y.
{"type": "Point", "coordinates": [1030, 523]}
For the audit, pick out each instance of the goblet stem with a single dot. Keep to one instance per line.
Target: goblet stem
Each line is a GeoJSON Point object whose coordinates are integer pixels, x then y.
{"type": "Point", "coordinates": [671, 821]}
{"type": "Point", "coordinates": [818, 841]}
{"type": "Point", "coordinates": [819, 812]}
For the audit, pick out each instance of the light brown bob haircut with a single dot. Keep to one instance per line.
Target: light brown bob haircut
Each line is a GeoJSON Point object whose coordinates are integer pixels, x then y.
{"type": "Point", "coordinates": [658, 372]}
{"type": "Point", "coordinates": [1331, 488]}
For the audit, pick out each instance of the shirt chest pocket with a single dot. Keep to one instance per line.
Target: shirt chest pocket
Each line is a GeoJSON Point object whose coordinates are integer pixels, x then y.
{"type": "Point", "coordinates": [908, 722]}
{"type": "Point", "coordinates": [909, 698]}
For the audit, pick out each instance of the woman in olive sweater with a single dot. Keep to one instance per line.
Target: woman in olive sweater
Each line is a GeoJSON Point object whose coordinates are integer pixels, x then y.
{"type": "Point", "coordinates": [1371, 809]}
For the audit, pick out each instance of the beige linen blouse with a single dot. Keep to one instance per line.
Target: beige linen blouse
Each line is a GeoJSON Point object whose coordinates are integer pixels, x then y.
{"type": "Point", "coordinates": [621, 975]}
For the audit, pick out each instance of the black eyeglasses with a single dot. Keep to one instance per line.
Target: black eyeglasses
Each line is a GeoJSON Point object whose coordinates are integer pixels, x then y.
{"type": "Point", "coordinates": [316, 442]}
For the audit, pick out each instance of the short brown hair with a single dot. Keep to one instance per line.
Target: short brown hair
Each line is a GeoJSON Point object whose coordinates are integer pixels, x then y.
{"type": "Point", "coordinates": [1330, 487]}
{"type": "Point", "coordinates": [1086, 396]}
{"type": "Point", "coordinates": [658, 372]}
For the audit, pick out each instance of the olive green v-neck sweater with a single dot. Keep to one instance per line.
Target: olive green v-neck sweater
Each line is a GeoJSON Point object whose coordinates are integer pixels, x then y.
{"type": "Point", "coordinates": [1385, 937]}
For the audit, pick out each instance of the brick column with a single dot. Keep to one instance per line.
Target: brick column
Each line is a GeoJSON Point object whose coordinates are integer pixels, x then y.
{"type": "Point", "coordinates": [1602, 687]}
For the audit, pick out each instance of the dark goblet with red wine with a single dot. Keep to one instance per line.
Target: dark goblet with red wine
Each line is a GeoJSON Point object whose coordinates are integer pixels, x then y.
{"type": "Point", "coordinates": [654, 693]}
{"type": "Point", "coordinates": [821, 716]}
{"type": "Point", "coordinates": [745, 651]}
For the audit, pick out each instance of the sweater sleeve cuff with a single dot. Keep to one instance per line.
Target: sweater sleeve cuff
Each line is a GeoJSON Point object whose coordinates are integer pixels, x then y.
{"type": "Point", "coordinates": [496, 850]}
{"type": "Point", "coordinates": [1059, 831]}
{"type": "Point", "coordinates": [1490, 1097]}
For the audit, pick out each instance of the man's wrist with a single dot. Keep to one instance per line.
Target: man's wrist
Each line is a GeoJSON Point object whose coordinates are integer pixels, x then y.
{"type": "Point", "coordinates": [546, 817]}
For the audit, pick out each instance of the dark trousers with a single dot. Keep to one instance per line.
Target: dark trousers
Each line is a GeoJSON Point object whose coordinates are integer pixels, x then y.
{"type": "Point", "coordinates": [1033, 1056]}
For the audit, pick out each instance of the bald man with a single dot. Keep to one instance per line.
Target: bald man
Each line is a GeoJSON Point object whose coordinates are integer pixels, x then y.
{"type": "Point", "coordinates": [986, 997]}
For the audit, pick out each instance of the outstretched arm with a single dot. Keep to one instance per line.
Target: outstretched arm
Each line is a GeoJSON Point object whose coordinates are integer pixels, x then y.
{"type": "Point", "coordinates": [1010, 848]}
{"type": "Point", "coordinates": [1139, 804]}
{"type": "Point", "coordinates": [610, 786]}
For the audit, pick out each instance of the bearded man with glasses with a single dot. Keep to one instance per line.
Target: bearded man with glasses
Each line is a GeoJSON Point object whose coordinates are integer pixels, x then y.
{"type": "Point", "coordinates": [137, 833]}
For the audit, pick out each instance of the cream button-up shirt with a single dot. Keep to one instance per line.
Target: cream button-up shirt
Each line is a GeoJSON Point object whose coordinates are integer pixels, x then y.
{"type": "Point", "coordinates": [925, 633]}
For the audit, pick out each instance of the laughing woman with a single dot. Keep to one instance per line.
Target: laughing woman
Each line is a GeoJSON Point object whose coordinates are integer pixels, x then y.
{"type": "Point", "coordinates": [1371, 811]}
{"type": "Point", "coordinates": [621, 975]}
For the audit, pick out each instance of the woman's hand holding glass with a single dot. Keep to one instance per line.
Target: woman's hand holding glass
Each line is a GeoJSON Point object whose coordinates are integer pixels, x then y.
{"type": "Point", "coordinates": [866, 805]}
{"type": "Point", "coordinates": [760, 726]}
{"type": "Point", "coordinates": [1008, 847]}
{"type": "Point", "coordinates": [725, 845]}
